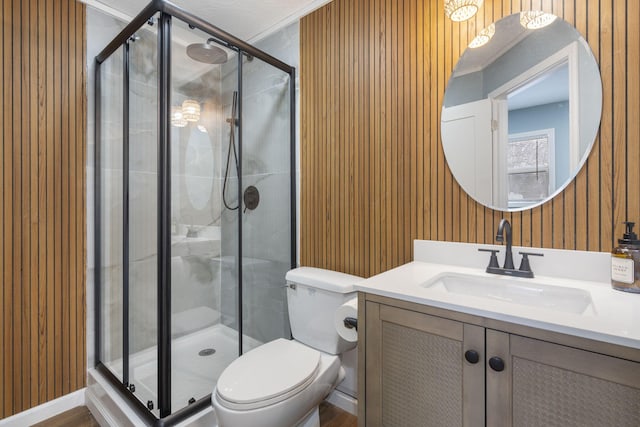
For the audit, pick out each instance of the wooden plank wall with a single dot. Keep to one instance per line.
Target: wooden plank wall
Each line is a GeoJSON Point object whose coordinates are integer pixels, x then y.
{"type": "Point", "coordinates": [42, 208]}
{"type": "Point", "coordinates": [374, 177]}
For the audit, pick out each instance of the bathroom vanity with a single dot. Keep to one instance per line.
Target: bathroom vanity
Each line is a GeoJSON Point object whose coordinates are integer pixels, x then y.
{"type": "Point", "coordinates": [442, 343]}
{"type": "Point", "coordinates": [460, 337]}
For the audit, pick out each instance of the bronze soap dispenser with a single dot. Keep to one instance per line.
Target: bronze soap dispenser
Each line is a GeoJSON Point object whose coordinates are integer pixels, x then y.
{"type": "Point", "coordinates": [625, 262]}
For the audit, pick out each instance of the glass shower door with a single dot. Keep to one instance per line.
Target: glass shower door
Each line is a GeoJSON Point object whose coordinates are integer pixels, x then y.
{"type": "Point", "coordinates": [142, 215]}
{"type": "Point", "coordinates": [266, 206]}
{"type": "Point", "coordinates": [110, 214]}
{"type": "Point", "coordinates": [202, 345]}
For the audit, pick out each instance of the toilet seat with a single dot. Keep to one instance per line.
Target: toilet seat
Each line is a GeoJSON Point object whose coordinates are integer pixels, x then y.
{"type": "Point", "coordinates": [268, 374]}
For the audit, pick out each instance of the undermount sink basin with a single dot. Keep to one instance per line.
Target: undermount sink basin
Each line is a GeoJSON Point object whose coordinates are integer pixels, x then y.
{"type": "Point", "coordinates": [551, 297]}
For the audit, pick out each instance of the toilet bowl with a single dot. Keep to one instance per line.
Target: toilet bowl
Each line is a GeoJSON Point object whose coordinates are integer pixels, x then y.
{"type": "Point", "coordinates": [281, 383]}
{"type": "Point", "coordinates": [260, 390]}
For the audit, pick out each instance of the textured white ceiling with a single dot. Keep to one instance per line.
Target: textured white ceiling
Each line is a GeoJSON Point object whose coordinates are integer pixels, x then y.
{"type": "Point", "coordinates": [249, 20]}
{"type": "Point", "coordinates": [509, 32]}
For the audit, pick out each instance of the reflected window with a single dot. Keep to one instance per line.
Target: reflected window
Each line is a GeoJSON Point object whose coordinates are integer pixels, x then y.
{"type": "Point", "coordinates": [530, 167]}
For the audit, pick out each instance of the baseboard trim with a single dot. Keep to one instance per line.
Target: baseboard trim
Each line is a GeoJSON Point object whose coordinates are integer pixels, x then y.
{"type": "Point", "coordinates": [343, 401]}
{"type": "Point", "coordinates": [46, 410]}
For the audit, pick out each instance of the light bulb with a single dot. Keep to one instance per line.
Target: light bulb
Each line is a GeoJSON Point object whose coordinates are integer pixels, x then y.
{"type": "Point", "coordinates": [191, 110]}
{"type": "Point", "coordinates": [461, 10]}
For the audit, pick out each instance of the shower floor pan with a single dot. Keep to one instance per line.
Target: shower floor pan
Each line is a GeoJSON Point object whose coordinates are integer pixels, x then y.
{"type": "Point", "coordinates": [194, 367]}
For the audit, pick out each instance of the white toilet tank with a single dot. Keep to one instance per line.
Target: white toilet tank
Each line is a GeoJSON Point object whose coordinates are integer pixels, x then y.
{"type": "Point", "coordinates": [313, 295]}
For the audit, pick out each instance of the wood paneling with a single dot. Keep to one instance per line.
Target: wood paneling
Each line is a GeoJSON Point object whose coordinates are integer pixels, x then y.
{"type": "Point", "coordinates": [42, 208]}
{"type": "Point", "coordinates": [374, 176]}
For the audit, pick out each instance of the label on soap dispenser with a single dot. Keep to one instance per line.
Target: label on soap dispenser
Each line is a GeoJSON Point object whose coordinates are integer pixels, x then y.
{"type": "Point", "coordinates": [622, 270]}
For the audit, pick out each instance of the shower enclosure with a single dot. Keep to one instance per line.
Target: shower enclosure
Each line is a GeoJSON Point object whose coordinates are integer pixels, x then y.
{"type": "Point", "coordinates": [195, 209]}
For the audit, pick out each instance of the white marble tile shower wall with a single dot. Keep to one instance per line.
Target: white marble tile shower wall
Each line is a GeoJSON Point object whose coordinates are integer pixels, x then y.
{"type": "Point", "coordinates": [266, 234]}
{"type": "Point", "coordinates": [284, 44]}
{"type": "Point", "coordinates": [266, 165]}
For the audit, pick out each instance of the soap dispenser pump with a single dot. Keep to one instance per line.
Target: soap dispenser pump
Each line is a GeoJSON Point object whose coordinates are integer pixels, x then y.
{"type": "Point", "coordinates": [625, 262]}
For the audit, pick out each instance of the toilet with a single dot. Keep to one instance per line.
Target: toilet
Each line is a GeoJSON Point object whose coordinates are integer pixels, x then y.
{"type": "Point", "coordinates": [281, 383]}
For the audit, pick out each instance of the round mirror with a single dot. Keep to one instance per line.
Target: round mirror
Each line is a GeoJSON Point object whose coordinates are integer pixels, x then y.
{"type": "Point", "coordinates": [521, 111]}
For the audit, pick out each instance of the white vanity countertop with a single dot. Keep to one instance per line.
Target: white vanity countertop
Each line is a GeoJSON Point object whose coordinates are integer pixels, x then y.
{"type": "Point", "coordinates": [613, 316]}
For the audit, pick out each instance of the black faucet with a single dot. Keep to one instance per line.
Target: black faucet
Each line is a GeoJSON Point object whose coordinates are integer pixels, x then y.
{"type": "Point", "coordinates": [504, 233]}
{"type": "Point", "coordinates": [500, 236]}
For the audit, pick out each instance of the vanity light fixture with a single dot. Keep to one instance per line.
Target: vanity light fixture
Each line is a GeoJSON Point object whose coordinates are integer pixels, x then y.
{"type": "Point", "coordinates": [461, 10]}
{"type": "Point", "coordinates": [534, 19]}
{"type": "Point", "coordinates": [191, 110]}
{"type": "Point", "coordinates": [483, 36]}
{"type": "Point", "coordinates": [177, 118]}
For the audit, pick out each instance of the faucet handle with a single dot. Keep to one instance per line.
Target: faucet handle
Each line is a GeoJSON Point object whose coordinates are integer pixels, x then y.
{"type": "Point", "coordinates": [524, 264]}
{"type": "Point", "coordinates": [493, 261]}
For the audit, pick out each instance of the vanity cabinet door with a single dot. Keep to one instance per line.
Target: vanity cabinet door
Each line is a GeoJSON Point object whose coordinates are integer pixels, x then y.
{"type": "Point", "coordinates": [546, 384]}
{"type": "Point", "coordinates": [416, 370]}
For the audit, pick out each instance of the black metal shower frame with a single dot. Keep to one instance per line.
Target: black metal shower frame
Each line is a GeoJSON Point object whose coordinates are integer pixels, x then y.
{"type": "Point", "coordinates": [168, 10]}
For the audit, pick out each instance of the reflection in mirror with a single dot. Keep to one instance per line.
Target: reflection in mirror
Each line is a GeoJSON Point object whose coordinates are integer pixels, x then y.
{"type": "Point", "coordinates": [520, 113]}
{"type": "Point", "coordinates": [199, 159]}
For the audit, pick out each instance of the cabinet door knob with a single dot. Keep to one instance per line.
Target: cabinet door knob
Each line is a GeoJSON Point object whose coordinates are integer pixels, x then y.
{"type": "Point", "coordinates": [472, 356]}
{"type": "Point", "coordinates": [497, 364]}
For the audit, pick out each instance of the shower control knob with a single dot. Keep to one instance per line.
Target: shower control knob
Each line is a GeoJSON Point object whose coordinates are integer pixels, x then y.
{"type": "Point", "coordinates": [472, 356]}
{"type": "Point", "coordinates": [251, 198]}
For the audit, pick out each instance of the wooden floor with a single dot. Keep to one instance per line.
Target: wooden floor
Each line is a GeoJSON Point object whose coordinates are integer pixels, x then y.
{"type": "Point", "coordinates": [330, 416]}
{"type": "Point", "coordinates": [76, 417]}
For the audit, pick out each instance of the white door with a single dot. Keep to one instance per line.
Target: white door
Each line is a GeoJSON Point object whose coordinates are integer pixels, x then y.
{"type": "Point", "coordinates": [470, 154]}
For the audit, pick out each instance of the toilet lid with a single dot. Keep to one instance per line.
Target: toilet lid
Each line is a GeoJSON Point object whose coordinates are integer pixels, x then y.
{"type": "Point", "coordinates": [274, 369]}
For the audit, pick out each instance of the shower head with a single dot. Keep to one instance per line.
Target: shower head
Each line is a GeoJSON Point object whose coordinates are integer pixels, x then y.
{"type": "Point", "coordinates": [207, 53]}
